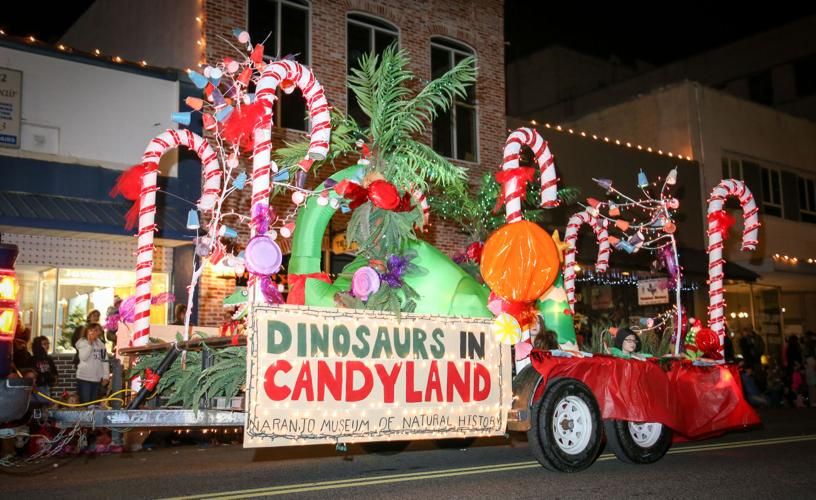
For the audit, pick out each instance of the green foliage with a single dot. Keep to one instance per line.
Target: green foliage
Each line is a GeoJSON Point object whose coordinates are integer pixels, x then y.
{"type": "Point", "coordinates": [74, 321]}
{"type": "Point", "coordinates": [380, 232]}
{"type": "Point", "coordinates": [187, 386]}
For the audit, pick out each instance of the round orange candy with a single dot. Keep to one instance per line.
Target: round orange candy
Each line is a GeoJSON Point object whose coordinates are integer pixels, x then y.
{"type": "Point", "coordinates": [520, 261]}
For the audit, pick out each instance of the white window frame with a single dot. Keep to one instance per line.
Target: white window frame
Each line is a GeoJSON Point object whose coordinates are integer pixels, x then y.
{"type": "Point", "coordinates": [772, 203]}
{"type": "Point", "coordinates": [276, 32]}
{"type": "Point", "coordinates": [810, 197]}
{"type": "Point", "coordinates": [475, 107]}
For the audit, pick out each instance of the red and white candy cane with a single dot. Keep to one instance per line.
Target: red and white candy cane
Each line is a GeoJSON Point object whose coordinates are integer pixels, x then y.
{"type": "Point", "coordinates": [716, 235]}
{"type": "Point", "coordinates": [287, 75]}
{"type": "Point", "coordinates": [515, 188]}
{"type": "Point", "coordinates": [158, 146]}
{"type": "Point", "coordinates": [570, 236]}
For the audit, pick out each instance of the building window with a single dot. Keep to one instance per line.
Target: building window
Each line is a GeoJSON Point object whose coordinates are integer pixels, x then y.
{"type": "Point", "coordinates": [804, 71]}
{"type": "Point", "coordinates": [283, 28]}
{"type": "Point", "coordinates": [807, 199]}
{"type": "Point", "coordinates": [455, 131]}
{"type": "Point", "coordinates": [365, 35]}
{"type": "Point", "coordinates": [772, 191]}
{"type": "Point", "coordinates": [731, 168]}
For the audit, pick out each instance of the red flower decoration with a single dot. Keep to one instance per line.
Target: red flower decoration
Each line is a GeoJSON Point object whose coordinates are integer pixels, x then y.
{"type": "Point", "coordinates": [474, 251]}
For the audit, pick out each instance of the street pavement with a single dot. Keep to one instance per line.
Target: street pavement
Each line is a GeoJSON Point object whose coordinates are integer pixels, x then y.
{"type": "Point", "coordinates": [777, 460]}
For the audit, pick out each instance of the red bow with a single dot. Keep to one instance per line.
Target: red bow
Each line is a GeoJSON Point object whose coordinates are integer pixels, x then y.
{"type": "Point", "coordinates": [297, 287]}
{"type": "Point", "coordinates": [129, 185]}
{"type": "Point", "coordinates": [382, 194]}
{"type": "Point", "coordinates": [722, 222]}
{"type": "Point", "coordinates": [514, 183]}
{"type": "Point", "coordinates": [151, 379]}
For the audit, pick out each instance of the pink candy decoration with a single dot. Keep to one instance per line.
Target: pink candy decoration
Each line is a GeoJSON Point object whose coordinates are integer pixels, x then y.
{"type": "Point", "coordinates": [365, 282]}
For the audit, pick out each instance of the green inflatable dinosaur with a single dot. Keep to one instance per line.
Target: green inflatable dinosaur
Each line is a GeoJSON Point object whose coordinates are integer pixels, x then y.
{"type": "Point", "coordinates": [445, 290]}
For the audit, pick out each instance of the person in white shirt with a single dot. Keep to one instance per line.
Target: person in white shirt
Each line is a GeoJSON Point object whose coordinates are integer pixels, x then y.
{"type": "Point", "coordinates": [93, 369]}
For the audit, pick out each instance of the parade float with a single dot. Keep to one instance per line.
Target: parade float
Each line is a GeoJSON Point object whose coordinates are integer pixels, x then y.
{"type": "Point", "coordinates": [405, 343]}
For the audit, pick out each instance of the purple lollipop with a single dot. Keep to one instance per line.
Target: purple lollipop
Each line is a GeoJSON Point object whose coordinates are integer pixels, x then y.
{"type": "Point", "coordinates": [262, 256]}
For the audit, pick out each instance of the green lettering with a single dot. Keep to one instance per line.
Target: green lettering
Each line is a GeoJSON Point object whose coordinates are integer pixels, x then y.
{"type": "Point", "coordinates": [320, 339]}
{"type": "Point", "coordinates": [438, 350]}
{"type": "Point", "coordinates": [273, 345]}
{"type": "Point", "coordinates": [419, 344]}
{"type": "Point", "coordinates": [403, 349]}
{"type": "Point", "coordinates": [383, 343]}
{"type": "Point", "coordinates": [341, 340]}
{"type": "Point", "coordinates": [362, 350]}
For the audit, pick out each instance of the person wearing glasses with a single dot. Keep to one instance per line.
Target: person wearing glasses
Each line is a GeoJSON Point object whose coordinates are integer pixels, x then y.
{"type": "Point", "coordinates": [627, 345]}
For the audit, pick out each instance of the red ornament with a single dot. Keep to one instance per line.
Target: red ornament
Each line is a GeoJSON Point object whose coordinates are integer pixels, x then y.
{"type": "Point", "coordinates": [707, 342]}
{"type": "Point", "coordinates": [383, 194]}
{"type": "Point", "coordinates": [474, 251]}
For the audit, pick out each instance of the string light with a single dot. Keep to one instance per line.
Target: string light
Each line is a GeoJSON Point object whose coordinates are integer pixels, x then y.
{"type": "Point", "coordinates": [787, 259]}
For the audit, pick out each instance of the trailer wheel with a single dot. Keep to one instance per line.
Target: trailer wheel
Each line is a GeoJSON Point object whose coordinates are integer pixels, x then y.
{"type": "Point", "coordinates": [637, 442]}
{"type": "Point", "coordinates": [566, 427]}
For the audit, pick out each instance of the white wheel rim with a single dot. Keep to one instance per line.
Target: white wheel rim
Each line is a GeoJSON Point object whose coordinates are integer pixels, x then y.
{"type": "Point", "coordinates": [645, 434]}
{"type": "Point", "coordinates": [572, 425]}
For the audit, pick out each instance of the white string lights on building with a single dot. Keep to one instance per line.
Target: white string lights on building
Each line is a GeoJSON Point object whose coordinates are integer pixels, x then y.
{"type": "Point", "coordinates": [617, 142]}
{"type": "Point", "coordinates": [792, 259]}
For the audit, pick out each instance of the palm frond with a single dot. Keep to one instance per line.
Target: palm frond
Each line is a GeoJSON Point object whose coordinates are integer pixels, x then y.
{"type": "Point", "coordinates": [413, 164]}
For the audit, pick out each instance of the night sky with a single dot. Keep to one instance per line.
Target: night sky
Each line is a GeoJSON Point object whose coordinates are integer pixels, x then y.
{"type": "Point", "coordinates": [677, 30]}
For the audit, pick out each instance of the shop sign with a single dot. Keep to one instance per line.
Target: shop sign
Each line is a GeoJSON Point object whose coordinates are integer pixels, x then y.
{"type": "Point", "coordinates": [319, 375]}
{"type": "Point", "coordinates": [600, 297]}
{"type": "Point", "coordinates": [655, 291]}
{"type": "Point", "coordinates": [11, 91]}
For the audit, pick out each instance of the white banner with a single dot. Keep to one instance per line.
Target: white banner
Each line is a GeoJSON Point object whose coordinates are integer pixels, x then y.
{"type": "Point", "coordinates": [654, 291]}
{"type": "Point", "coordinates": [11, 97]}
{"type": "Point", "coordinates": [318, 375]}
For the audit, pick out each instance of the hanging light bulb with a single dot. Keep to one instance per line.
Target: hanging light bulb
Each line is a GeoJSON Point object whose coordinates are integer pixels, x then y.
{"type": "Point", "coordinates": [671, 178]}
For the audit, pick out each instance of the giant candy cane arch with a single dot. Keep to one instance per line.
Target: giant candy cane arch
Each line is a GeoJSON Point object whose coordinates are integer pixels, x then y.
{"type": "Point", "coordinates": [514, 190]}
{"type": "Point", "coordinates": [288, 75]}
{"type": "Point", "coordinates": [158, 146]}
{"type": "Point", "coordinates": [570, 237]}
{"type": "Point", "coordinates": [716, 234]}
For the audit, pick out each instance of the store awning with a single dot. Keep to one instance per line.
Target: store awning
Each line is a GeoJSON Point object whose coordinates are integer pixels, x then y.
{"type": "Point", "coordinates": [42, 211]}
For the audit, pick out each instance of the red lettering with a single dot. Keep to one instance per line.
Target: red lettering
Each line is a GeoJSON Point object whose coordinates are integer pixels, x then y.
{"type": "Point", "coordinates": [328, 380]}
{"type": "Point", "coordinates": [353, 394]}
{"type": "Point", "coordinates": [434, 383]}
{"type": "Point", "coordinates": [411, 395]}
{"type": "Point", "coordinates": [458, 382]}
{"type": "Point", "coordinates": [273, 391]}
{"type": "Point", "coordinates": [480, 390]}
{"type": "Point", "coordinates": [304, 383]}
{"type": "Point", "coordinates": [389, 380]}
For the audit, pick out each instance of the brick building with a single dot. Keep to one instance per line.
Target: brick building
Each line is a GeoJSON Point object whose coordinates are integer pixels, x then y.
{"type": "Point", "coordinates": [328, 36]}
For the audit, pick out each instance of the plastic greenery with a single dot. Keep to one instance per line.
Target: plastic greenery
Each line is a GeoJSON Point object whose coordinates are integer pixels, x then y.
{"type": "Point", "coordinates": [189, 385]}
{"type": "Point", "coordinates": [479, 216]}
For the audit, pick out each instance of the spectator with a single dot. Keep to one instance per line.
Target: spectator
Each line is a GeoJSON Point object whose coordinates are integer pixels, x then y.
{"type": "Point", "coordinates": [775, 384]}
{"type": "Point", "coordinates": [747, 347]}
{"type": "Point", "coordinates": [810, 378]}
{"type": "Point", "coordinates": [22, 359]}
{"type": "Point", "coordinates": [79, 332]}
{"type": "Point", "coordinates": [179, 314]}
{"type": "Point", "coordinates": [44, 366]}
{"type": "Point", "coordinates": [93, 369]}
{"type": "Point", "coordinates": [113, 310]}
{"type": "Point", "coordinates": [749, 387]}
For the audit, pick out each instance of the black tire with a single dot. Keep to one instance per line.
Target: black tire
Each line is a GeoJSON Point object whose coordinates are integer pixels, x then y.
{"type": "Point", "coordinates": [637, 442]}
{"type": "Point", "coordinates": [570, 404]}
{"type": "Point", "coordinates": [384, 447]}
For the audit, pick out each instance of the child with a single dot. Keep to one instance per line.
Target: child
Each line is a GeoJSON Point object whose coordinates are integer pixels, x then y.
{"type": "Point", "coordinates": [45, 368]}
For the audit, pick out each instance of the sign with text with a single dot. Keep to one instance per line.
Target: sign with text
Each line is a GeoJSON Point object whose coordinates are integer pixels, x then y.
{"type": "Point", "coordinates": [319, 375]}
{"type": "Point", "coordinates": [11, 90]}
{"type": "Point", "coordinates": [654, 291]}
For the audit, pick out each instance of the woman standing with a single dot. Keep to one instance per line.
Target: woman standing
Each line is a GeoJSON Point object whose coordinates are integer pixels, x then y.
{"type": "Point", "coordinates": [93, 369]}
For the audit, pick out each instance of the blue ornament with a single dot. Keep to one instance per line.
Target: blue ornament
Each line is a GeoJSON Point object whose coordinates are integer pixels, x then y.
{"type": "Point", "coordinates": [643, 182]}
{"type": "Point", "coordinates": [181, 117]}
{"type": "Point", "coordinates": [198, 79]}
{"type": "Point", "coordinates": [192, 220]}
{"type": "Point", "coordinates": [240, 181]}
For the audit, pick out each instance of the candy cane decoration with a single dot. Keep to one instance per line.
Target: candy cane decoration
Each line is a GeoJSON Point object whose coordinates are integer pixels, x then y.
{"type": "Point", "coordinates": [514, 189]}
{"type": "Point", "coordinates": [716, 236]}
{"type": "Point", "coordinates": [570, 237]}
{"type": "Point", "coordinates": [288, 75]}
{"type": "Point", "coordinates": [158, 146]}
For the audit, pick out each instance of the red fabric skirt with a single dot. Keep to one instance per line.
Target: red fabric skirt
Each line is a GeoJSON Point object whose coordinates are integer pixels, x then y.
{"type": "Point", "coordinates": [694, 401]}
